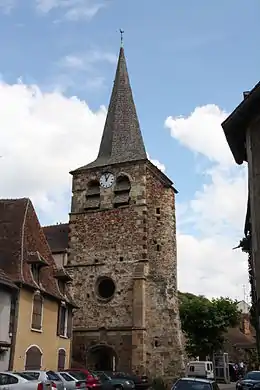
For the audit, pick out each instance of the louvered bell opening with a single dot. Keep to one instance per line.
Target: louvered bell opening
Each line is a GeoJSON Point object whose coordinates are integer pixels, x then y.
{"type": "Point", "coordinates": [121, 199]}
{"type": "Point", "coordinates": [122, 184]}
{"type": "Point", "coordinates": [93, 196]}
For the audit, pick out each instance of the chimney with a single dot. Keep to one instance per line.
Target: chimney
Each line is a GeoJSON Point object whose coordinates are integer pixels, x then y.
{"type": "Point", "coordinates": [245, 325]}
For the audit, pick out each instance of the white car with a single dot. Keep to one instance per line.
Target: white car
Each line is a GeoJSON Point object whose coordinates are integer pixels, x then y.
{"type": "Point", "coordinates": [14, 381]}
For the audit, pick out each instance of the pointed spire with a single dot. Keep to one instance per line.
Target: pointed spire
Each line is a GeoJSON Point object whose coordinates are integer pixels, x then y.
{"type": "Point", "coordinates": [122, 139]}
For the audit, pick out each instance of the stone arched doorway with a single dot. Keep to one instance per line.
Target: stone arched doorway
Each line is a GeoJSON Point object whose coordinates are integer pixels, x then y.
{"type": "Point", "coordinates": [102, 357]}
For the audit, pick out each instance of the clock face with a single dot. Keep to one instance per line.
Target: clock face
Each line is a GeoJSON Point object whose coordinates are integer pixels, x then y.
{"type": "Point", "coordinates": [106, 180]}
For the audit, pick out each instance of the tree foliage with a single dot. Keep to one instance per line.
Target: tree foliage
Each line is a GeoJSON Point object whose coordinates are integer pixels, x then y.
{"type": "Point", "coordinates": [245, 246]}
{"type": "Point", "coordinates": [205, 322]}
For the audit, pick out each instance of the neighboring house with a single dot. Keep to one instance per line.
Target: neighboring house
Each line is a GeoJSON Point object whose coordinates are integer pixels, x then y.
{"type": "Point", "coordinates": [7, 293]}
{"type": "Point", "coordinates": [41, 316]}
{"type": "Point", "coordinates": [243, 307]}
{"type": "Point", "coordinates": [240, 341]}
{"type": "Point", "coordinates": [58, 240]}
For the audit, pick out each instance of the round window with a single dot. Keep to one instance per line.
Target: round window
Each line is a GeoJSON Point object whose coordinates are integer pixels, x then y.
{"type": "Point", "coordinates": [105, 288]}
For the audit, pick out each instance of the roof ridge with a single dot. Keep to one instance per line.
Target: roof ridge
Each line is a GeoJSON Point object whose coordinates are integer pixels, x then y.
{"type": "Point", "coordinates": [28, 202]}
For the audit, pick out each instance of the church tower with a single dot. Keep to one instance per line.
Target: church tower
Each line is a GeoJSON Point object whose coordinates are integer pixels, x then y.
{"type": "Point", "coordinates": [122, 251]}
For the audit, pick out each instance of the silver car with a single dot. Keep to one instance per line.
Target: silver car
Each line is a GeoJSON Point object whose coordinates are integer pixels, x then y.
{"type": "Point", "coordinates": [70, 382]}
{"type": "Point", "coordinates": [44, 376]}
{"type": "Point", "coordinates": [14, 381]}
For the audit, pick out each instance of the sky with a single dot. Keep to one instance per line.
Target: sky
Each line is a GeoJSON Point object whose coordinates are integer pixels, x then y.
{"type": "Point", "coordinates": [189, 63]}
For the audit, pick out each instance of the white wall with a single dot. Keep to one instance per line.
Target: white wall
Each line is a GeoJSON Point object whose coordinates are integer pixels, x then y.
{"type": "Point", "coordinates": [5, 307]}
{"type": "Point", "coordinates": [243, 307]}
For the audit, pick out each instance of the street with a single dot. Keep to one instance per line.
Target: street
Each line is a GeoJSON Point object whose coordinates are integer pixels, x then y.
{"type": "Point", "coordinates": [230, 386]}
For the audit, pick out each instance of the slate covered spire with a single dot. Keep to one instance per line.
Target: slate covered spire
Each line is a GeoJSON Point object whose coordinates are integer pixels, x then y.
{"type": "Point", "coordinates": [122, 140]}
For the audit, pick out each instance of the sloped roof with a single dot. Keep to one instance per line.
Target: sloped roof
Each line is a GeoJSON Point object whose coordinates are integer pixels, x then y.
{"type": "Point", "coordinates": [122, 139]}
{"type": "Point", "coordinates": [239, 339]}
{"type": "Point", "coordinates": [57, 237]}
{"type": "Point", "coordinates": [21, 236]}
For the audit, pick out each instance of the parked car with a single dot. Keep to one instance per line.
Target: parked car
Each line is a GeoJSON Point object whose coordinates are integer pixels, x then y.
{"type": "Point", "coordinates": [250, 380]}
{"type": "Point", "coordinates": [141, 382]}
{"type": "Point", "coordinates": [44, 376]}
{"type": "Point", "coordinates": [80, 373]}
{"type": "Point", "coordinates": [113, 383]}
{"type": "Point", "coordinates": [195, 384]}
{"type": "Point", "coordinates": [70, 382]}
{"type": "Point", "coordinates": [15, 381]}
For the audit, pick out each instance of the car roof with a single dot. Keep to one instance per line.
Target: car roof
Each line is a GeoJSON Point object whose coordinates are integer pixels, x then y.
{"type": "Point", "coordinates": [197, 380]}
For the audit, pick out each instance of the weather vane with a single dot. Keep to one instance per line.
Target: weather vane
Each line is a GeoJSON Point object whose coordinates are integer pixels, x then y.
{"type": "Point", "coordinates": [121, 32]}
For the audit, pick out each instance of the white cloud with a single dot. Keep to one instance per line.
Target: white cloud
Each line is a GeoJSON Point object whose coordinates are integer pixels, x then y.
{"type": "Point", "coordinates": [7, 5]}
{"type": "Point", "coordinates": [87, 61]}
{"type": "Point", "coordinates": [82, 70]}
{"type": "Point", "coordinates": [74, 10]}
{"type": "Point", "coordinates": [201, 133]}
{"type": "Point", "coordinates": [211, 223]}
{"type": "Point", "coordinates": [45, 135]}
{"type": "Point", "coordinates": [157, 163]}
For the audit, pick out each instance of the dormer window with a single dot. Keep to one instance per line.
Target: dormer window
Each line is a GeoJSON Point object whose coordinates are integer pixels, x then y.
{"type": "Point", "coordinates": [93, 196]}
{"type": "Point", "coordinates": [122, 191]}
{"type": "Point", "coordinates": [36, 262]}
{"type": "Point", "coordinates": [35, 269]}
{"type": "Point", "coordinates": [63, 278]}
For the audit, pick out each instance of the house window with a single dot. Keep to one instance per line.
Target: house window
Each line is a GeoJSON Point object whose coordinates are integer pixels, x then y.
{"type": "Point", "coordinates": [37, 312]}
{"type": "Point", "coordinates": [61, 359]}
{"type": "Point", "coordinates": [64, 322]}
{"type": "Point", "coordinates": [35, 272]}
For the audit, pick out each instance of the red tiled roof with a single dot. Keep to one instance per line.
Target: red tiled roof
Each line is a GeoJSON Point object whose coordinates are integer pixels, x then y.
{"type": "Point", "coordinates": [239, 339]}
{"type": "Point", "coordinates": [57, 237]}
{"type": "Point", "coordinates": [21, 236]}
{"type": "Point", "coordinates": [6, 281]}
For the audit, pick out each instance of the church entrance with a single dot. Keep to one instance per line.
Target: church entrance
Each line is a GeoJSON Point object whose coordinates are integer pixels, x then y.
{"type": "Point", "coordinates": [101, 358]}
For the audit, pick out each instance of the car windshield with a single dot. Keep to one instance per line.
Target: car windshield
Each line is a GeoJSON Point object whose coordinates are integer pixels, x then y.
{"type": "Point", "coordinates": [78, 375]}
{"type": "Point", "coordinates": [191, 385]}
{"type": "Point", "coordinates": [101, 375]}
{"type": "Point", "coordinates": [28, 377]}
{"type": "Point", "coordinates": [254, 375]}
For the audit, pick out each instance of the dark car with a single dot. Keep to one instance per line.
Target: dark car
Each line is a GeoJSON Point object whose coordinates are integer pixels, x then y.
{"type": "Point", "coordinates": [251, 379]}
{"type": "Point", "coordinates": [110, 382]}
{"type": "Point", "coordinates": [195, 384]}
{"type": "Point", "coordinates": [141, 381]}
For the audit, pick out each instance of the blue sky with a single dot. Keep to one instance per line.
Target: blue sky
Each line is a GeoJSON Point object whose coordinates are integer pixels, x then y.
{"type": "Point", "coordinates": [181, 55]}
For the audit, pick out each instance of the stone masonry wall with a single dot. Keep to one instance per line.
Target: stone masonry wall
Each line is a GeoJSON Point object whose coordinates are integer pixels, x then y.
{"type": "Point", "coordinates": [164, 339]}
{"type": "Point", "coordinates": [106, 242]}
{"type": "Point", "coordinates": [136, 246]}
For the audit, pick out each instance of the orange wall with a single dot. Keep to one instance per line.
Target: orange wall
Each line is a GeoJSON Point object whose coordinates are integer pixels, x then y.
{"type": "Point", "coordinates": [47, 339]}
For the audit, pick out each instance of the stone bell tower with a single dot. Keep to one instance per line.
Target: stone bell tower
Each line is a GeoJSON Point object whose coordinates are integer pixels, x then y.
{"type": "Point", "coordinates": [122, 251]}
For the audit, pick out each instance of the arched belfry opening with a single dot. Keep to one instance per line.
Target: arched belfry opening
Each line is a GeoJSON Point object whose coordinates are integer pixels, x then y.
{"type": "Point", "coordinates": [102, 357]}
{"type": "Point", "coordinates": [92, 195]}
{"type": "Point", "coordinates": [122, 191]}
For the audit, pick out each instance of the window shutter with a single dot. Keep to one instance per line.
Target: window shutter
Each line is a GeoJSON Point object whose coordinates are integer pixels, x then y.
{"type": "Point", "coordinates": [70, 320]}
{"type": "Point", "coordinates": [58, 321]}
{"type": "Point", "coordinates": [61, 359]}
{"type": "Point", "coordinates": [33, 359]}
{"type": "Point", "coordinates": [37, 312]}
